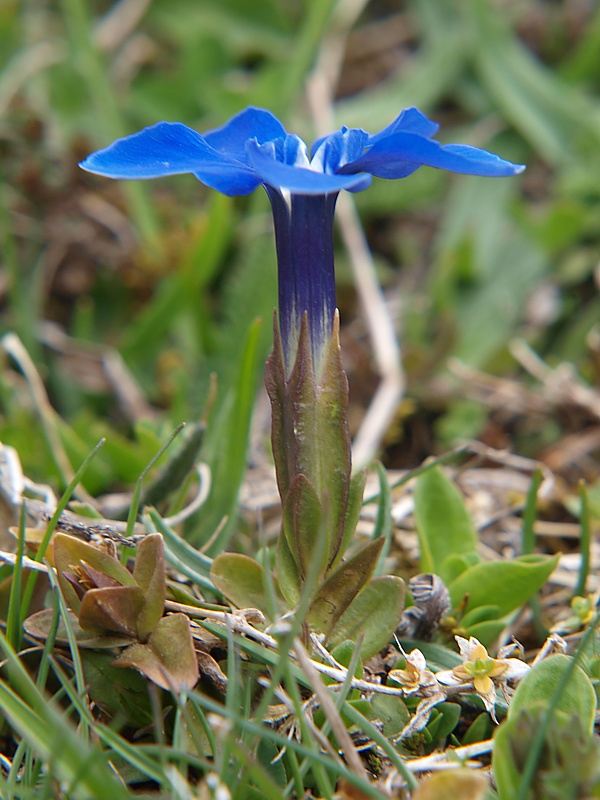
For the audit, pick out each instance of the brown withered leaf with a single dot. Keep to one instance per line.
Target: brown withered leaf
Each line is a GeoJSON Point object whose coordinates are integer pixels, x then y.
{"type": "Point", "coordinates": [210, 670]}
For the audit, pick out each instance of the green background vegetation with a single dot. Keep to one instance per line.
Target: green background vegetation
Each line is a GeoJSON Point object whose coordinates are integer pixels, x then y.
{"type": "Point", "coordinates": [173, 275]}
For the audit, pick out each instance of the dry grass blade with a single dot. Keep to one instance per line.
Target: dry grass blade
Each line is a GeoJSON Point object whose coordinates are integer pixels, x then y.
{"type": "Point", "coordinates": [329, 709]}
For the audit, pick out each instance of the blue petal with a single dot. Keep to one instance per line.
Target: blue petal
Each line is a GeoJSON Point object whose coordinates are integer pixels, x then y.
{"type": "Point", "coordinates": [171, 148]}
{"type": "Point", "coordinates": [296, 179]}
{"type": "Point", "coordinates": [402, 153]}
{"type": "Point", "coordinates": [252, 123]}
{"type": "Point", "coordinates": [339, 148]}
{"type": "Point", "coordinates": [289, 149]}
{"type": "Point", "coordinates": [409, 120]}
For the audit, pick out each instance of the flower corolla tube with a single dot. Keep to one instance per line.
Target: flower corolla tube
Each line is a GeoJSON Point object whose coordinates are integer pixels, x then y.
{"type": "Point", "coordinates": [254, 149]}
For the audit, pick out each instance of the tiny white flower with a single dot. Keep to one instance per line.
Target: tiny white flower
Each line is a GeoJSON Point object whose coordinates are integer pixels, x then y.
{"type": "Point", "coordinates": [415, 677]}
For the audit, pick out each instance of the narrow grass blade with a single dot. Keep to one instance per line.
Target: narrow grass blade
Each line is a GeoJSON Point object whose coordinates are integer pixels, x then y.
{"type": "Point", "coordinates": [584, 541]}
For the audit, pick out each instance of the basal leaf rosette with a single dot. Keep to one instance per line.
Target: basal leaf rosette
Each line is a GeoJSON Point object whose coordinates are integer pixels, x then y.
{"type": "Point", "coordinates": [110, 601]}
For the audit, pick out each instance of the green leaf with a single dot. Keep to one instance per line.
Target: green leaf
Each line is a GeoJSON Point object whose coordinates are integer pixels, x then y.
{"type": "Point", "coordinates": [488, 631]}
{"type": "Point", "coordinates": [456, 565]}
{"type": "Point", "coordinates": [391, 711]}
{"type": "Point", "coordinates": [52, 738]}
{"type": "Point", "coordinates": [437, 656]}
{"type": "Point", "coordinates": [267, 755]}
{"type": "Point", "coordinates": [310, 434]}
{"type": "Point", "coordinates": [479, 614]}
{"type": "Point", "coordinates": [177, 468]}
{"type": "Point", "coordinates": [288, 573]}
{"type": "Point", "coordinates": [332, 438]}
{"type": "Point", "coordinates": [566, 766]}
{"type": "Point", "coordinates": [445, 722]}
{"type": "Point", "coordinates": [118, 692]}
{"type": "Point", "coordinates": [241, 579]}
{"type": "Point", "coordinates": [335, 595]}
{"type": "Point", "coordinates": [506, 775]}
{"type": "Point", "coordinates": [375, 612]}
{"type": "Point", "coordinates": [343, 654]}
{"type": "Point", "coordinates": [443, 523]}
{"type": "Point", "coordinates": [177, 550]}
{"type": "Point", "coordinates": [168, 659]}
{"type": "Point", "coordinates": [540, 683]}
{"type": "Point", "coordinates": [149, 573]}
{"type": "Point", "coordinates": [478, 730]}
{"type": "Point", "coordinates": [506, 584]}
{"type": "Point", "coordinates": [276, 385]}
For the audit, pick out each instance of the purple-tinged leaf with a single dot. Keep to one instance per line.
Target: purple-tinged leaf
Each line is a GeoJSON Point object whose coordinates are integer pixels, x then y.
{"type": "Point", "coordinates": [303, 522]}
{"type": "Point", "coordinates": [41, 624]}
{"type": "Point", "coordinates": [68, 552]}
{"type": "Point", "coordinates": [168, 659]}
{"type": "Point", "coordinates": [149, 574]}
{"type": "Point", "coordinates": [288, 573]}
{"type": "Point", "coordinates": [115, 609]}
{"type": "Point", "coordinates": [335, 595]}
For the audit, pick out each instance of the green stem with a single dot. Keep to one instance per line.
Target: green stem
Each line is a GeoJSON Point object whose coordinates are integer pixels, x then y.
{"type": "Point", "coordinates": [584, 542]}
{"type": "Point", "coordinates": [528, 546]}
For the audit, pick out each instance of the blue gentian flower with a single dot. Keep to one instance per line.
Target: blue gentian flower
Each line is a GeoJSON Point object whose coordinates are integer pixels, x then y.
{"type": "Point", "coordinates": [254, 149]}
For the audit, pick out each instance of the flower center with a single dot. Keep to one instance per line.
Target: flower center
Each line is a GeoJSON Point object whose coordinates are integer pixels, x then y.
{"type": "Point", "coordinates": [479, 667]}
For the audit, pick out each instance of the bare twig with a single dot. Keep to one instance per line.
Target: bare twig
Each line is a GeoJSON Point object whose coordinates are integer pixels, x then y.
{"type": "Point", "coordinates": [561, 383]}
{"type": "Point", "coordinates": [119, 23]}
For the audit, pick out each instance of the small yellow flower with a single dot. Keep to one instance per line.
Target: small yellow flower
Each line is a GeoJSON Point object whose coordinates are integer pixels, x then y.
{"type": "Point", "coordinates": [585, 608]}
{"type": "Point", "coordinates": [482, 671]}
{"type": "Point", "coordinates": [481, 668]}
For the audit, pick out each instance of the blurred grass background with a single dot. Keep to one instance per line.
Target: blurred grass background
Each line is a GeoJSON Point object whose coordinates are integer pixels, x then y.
{"type": "Point", "coordinates": [172, 276]}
